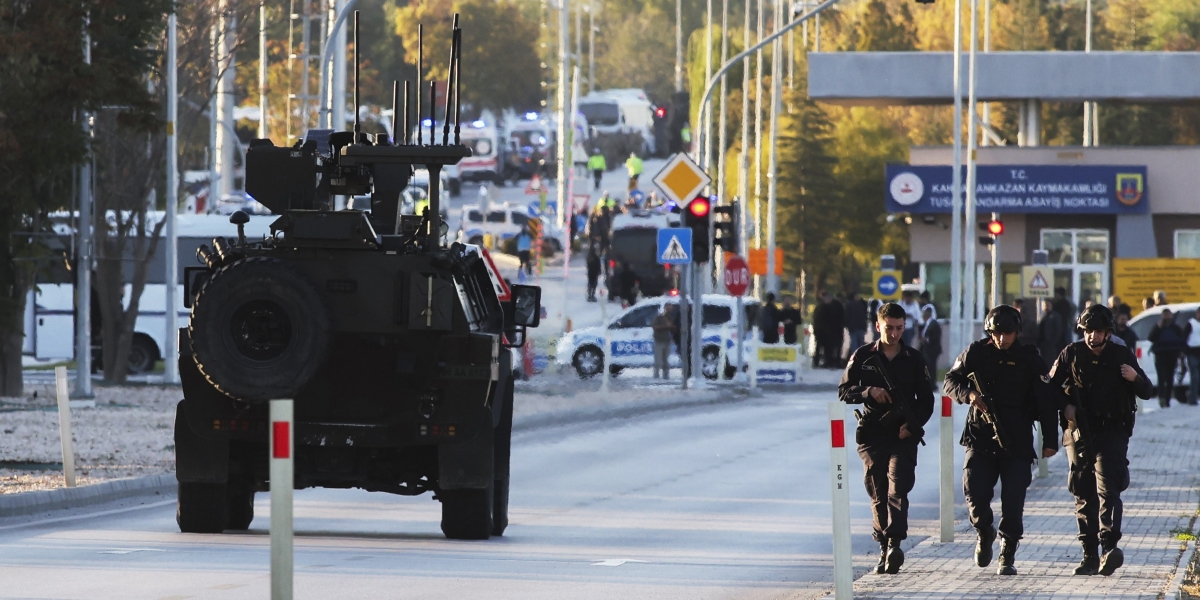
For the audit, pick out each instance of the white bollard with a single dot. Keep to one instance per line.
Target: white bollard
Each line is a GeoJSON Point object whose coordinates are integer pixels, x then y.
{"type": "Point", "coordinates": [946, 470]}
{"type": "Point", "coordinates": [282, 482]}
{"type": "Point", "coordinates": [64, 425]}
{"type": "Point", "coordinates": [843, 564]}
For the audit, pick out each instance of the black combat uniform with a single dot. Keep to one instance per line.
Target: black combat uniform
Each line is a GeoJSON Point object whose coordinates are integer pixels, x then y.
{"type": "Point", "coordinates": [889, 463]}
{"type": "Point", "coordinates": [1013, 381]}
{"type": "Point", "coordinates": [1105, 405]}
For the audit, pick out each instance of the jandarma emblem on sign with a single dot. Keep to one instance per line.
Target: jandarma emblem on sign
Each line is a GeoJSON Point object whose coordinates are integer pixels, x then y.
{"type": "Point", "coordinates": [1129, 188]}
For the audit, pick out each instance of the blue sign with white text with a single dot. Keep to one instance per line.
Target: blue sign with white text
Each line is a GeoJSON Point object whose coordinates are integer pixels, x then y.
{"type": "Point", "coordinates": [675, 246]}
{"type": "Point", "coordinates": [1081, 189]}
{"type": "Point", "coordinates": [887, 285]}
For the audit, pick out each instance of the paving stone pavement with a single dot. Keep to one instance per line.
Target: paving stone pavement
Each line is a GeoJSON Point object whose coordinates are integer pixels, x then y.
{"type": "Point", "coordinates": [1162, 501]}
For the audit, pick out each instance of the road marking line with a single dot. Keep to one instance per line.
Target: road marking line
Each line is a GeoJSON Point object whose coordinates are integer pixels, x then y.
{"type": "Point", "coordinates": [616, 562]}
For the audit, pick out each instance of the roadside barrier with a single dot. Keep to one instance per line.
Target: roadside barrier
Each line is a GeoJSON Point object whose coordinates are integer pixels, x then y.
{"type": "Point", "coordinates": [282, 448]}
{"type": "Point", "coordinates": [839, 484]}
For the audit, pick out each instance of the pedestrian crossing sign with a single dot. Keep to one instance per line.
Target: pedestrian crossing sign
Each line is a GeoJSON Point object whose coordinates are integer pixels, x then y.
{"type": "Point", "coordinates": [1037, 282]}
{"type": "Point", "coordinates": [674, 246]}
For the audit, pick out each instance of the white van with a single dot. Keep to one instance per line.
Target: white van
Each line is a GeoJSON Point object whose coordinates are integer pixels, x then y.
{"type": "Point", "coordinates": [620, 111]}
{"type": "Point", "coordinates": [489, 153]}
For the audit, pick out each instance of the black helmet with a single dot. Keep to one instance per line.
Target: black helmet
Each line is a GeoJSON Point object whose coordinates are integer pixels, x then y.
{"type": "Point", "coordinates": [1096, 317]}
{"type": "Point", "coordinates": [1002, 319]}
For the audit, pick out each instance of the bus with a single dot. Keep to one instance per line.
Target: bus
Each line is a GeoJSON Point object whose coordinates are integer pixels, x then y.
{"type": "Point", "coordinates": [50, 305]}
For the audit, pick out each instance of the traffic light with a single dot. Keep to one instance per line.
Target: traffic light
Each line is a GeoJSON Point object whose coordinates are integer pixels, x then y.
{"type": "Point", "coordinates": [660, 131]}
{"type": "Point", "coordinates": [695, 217]}
{"type": "Point", "coordinates": [994, 230]}
{"type": "Point", "coordinates": [725, 227]}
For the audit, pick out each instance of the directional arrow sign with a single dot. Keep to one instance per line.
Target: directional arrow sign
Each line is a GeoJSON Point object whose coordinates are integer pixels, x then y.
{"type": "Point", "coordinates": [681, 179]}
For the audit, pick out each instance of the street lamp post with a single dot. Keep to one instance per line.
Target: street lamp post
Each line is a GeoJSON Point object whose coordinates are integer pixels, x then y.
{"type": "Point", "coordinates": [956, 224]}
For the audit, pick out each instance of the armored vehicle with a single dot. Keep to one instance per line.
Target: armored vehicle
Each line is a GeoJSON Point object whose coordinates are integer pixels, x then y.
{"type": "Point", "coordinates": [391, 343]}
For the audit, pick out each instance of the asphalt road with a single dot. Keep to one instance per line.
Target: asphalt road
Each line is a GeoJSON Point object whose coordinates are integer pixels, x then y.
{"type": "Point", "coordinates": [723, 501]}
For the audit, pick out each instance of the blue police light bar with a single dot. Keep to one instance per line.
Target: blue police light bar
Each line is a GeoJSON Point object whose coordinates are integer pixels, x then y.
{"type": "Point", "coordinates": [531, 116]}
{"type": "Point", "coordinates": [478, 124]}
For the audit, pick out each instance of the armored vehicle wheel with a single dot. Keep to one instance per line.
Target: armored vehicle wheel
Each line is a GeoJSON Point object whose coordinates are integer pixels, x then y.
{"type": "Point", "coordinates": [708, 362]}
{"type": "Point", "coordinates": [239, 507]}
{"type": "Point", "coordinates": [467, 514]}
{"type": "Point", "coordinates": [200, 507]}
{"type": "Point", "coordinates": [588, 361]}
{"type": "Point", "coordinates": [259, 330]}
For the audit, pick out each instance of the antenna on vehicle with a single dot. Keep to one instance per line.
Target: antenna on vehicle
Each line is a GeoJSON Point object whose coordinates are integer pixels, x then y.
{"type": "Point", "coordinates": [450, 81]}
{"type": "Point", "coordinates": [357, 127]}
{"type": "Point", "coordinates": [406, 121]}
{"type": "Point", "coordinates": [395, 113]}
{"type": "Point", "coordinates": [432, 110]}
{"type": "Point", "coordinates": [457, 81]}
{"type": "Point", "coordinates": [420, 78]}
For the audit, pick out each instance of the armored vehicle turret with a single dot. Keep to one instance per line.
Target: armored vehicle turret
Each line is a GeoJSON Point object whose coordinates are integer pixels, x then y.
{"type": "Point", "coordinates": [391, 342]}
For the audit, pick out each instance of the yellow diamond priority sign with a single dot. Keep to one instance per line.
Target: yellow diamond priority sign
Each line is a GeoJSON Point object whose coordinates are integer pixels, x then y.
{"type": "Point", "coordinates": [681, 179]}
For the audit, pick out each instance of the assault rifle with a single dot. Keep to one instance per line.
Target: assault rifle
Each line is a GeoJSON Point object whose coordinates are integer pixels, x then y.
{"type": "Point", "coordinates": [990, 416]}
{"type": "Point", "coordinates": [903, 410]}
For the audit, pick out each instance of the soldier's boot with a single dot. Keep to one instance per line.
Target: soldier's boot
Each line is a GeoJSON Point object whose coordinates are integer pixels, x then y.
{"type": "Point", "coordinates": [895, 557]}
{"type": "Point", "coordinates": [1008, 556]}
{"type": "Point", "coordinates": [983, 547]}
{"type": "Point", "coordinates": [1090, 563]}
{"type": "Point", "coordinates": [1112, 559]}
{"type": "Point", "coordinates": [881, 568]}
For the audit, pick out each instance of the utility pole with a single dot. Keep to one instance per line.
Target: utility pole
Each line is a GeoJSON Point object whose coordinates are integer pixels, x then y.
{"type": "Point", "coordinates": [171, 301]}
{"type": "Point", "coordinates": [564, 115]}
{"type": "Point", "coordinates": [214, 190]}
{"type": "Point", "coordinates": [226, 139]}
{"type": "Point", "coordinates": [758, 92]}
{"type": "Point", "coordinates": [579, 36]}
{"type": "Point", "coordinates": [707, 124]}
{"type": "Point", "coordinates": [262, 69]}
{"type": "Point", "coordinates": [1091, 121]}
{"type": "Point", "coordinates": [83, 273]}
{"type": "Point", "coordinates": [679, 45]}
{"type": "Point", "coordinates": [591, 49]}
{"type": "Point", "coordinates": [776, 84]}
{"type": "Point", "coordinates": [970, 296]}
{"type": "Point", "coordinates": [956, 220]}
{"type": "Point", "coordinates": [721, 147]}
{"type": "Point", "coordinates": [744, 158]}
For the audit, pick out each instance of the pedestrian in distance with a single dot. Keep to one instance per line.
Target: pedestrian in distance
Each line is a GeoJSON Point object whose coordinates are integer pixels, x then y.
{"type": "Point", "coordinates": [524, 247]}
{"type": "Point", "coordinates": [1168, 341]}
{"type": "Point", "coordinates": [663, 326]}
{"type": "Point", "coordinates": [912, 312]}
{"type": "Point", "coordinates": [1100, 380]}
{"type": "Point", "coordinates": [1122, 333]}
{"type": "Point", "coordinates": [597, 165]}
{"type": "Point", "coordinates": [1050, 331]}
{"type": "Point", "coordinates": [627, 284]}
{"type": "Point", "coordinates": [593, 271]}
{"type": "Point", "coordinates": [1113, 303]}
{"type": "Point", "coordinates": [890, 379]}
{"type": "Point", "coordinates": [1004, 383]}
{"type": "Point", "coordinates": [856, 320]}
{"type": "Point", "coordinates": [790, 318]}
{"type": "Point", "coordinates": [768, 320]}
{"type": "Point", "coordinates": [1160, 298]}
{"type": "Point", "coordinates": [829, 326]}
{"type": "Point", "coordinates": [931, 339]}
{"type": "Point", "coordinates": [633, 165]}
{"type": "Point", "coordinates": [1029, 322]}
{"type": "Point", "coordinates": [1192, 331]}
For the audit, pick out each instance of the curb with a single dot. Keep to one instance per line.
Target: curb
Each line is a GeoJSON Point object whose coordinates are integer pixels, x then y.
{"type": "Point", "coordinates": [28, 503]}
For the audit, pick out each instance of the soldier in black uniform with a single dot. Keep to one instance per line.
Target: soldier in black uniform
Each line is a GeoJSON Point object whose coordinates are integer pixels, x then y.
{"type": "Point", "coordinates": [1100, 380]}
{"type": "Point", "coordinates": [890, 379]}
{"type": "Point", "coordinates": [1014, 391]}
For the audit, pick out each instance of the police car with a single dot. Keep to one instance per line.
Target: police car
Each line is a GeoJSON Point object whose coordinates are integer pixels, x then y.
{"type": "Point", "coordinates": [504, 221]}
{"type": "Point", "coordinates": [631, 339]}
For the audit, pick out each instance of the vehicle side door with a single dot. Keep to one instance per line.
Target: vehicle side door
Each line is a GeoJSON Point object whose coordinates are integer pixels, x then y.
{"type": "Point", "coordinates": [631, 339]}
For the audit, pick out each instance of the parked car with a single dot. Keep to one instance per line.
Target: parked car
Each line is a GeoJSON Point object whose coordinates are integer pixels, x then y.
{"type": "Point", "coordinates": [631, 339]}
{"type": "Point", "coordinates": [1142, 324]}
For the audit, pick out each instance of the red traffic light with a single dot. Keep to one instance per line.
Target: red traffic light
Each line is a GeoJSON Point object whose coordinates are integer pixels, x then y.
{"type": "Point", "coordinates": [699, 207]}
{"type": "Point", "coordinates": [660, 112]}
{"type": "Point", "coordinates": [995, 227]}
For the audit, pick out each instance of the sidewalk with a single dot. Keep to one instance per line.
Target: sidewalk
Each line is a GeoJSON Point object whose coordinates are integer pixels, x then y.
{"type": "Point", "coordinates": [1160, 503]}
